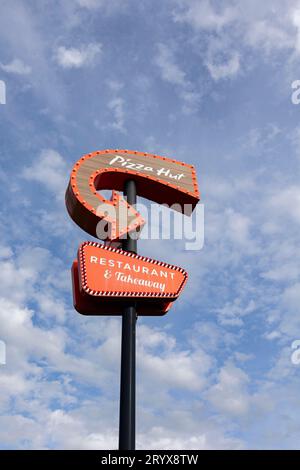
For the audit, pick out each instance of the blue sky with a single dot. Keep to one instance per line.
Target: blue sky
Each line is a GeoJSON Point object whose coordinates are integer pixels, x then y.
{"type": "Point", "coordinates": [202, 81]}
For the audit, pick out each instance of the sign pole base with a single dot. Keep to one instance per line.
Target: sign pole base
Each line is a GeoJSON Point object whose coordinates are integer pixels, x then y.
{"type": "Point", "coordinates": [128, 356]}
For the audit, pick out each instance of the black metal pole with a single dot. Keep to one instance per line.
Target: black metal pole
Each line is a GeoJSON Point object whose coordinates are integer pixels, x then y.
{"type": "Point", "coordinates": [127, 388]}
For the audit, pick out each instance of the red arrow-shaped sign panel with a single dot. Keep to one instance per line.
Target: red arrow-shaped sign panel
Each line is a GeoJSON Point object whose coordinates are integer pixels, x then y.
{"type": "Point", "coordinates": [92, 305]}
{"type": "Point", "coordinates": [109, 272]}
{"type": "Point", "coordinates": [159, 179]}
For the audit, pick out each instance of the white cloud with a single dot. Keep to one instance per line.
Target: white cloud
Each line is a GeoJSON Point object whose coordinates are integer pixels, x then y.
{"type": "Point", "coordinates": [188, 370]}
{"type": "Point", "coordinates": [115, 85]}
{"type": "Point", "coordinates": [238, 227]}
{"type": "Point", "coordinates": [17, 67]}
{"type": "Point", "coordinates": [242, 357]}
{"type": "Point", "coordinates": [210, 438]}
{"type": "Point", "coordinates": [227, 69]}
{"type": "Point", "coordinates": [287, 206]}
{"type": "Point", "coordinates": [202, 14]}
{"type": "Point", "coordinates": [232, 312]}
{"type": "Point", "coordinates": [159, 355]}
{"type": "Point", "coordinates": [210, 337]}
{"type": "Point", "coordinates": [262, 33]}
{"type": "Point", "coordinates": [106, 7]}
{"type": "Point", "coordinates": [91, 3]}
{"type": "Point", "coordinates": [91, 423]}
{"type": "Point", "coordinates": [116, 105]}
{"type": "Point", "coordinates": [23, 279]}
{"type": "Point", "coordinates": [272, 335]}
{"type": "Point", "coordinates": [17, 21]}
{"type": "Point", "coordinates": [170, 71]}
{"type": "Point", "coordinates": [295, 19]}
{"type": "Point", "coordinates": [291, 297]}
{"type": "Point", "coordinates": [229, 394]}
{"type": "Point", "coordinates": [260, 139]}
{"type": "Point", "coordinates": [222, 58]}
{"type": "Point", "coordinates": [237, 27]}
{"type": "Point", "coordinates": [190, 98]}
{"type": "Point", "coordinates": [78, 57]}
{"type": "Point", "coordinates": [5, 252]}
{"type": "Point", "coordinates": [288, 271]}
{"type": "Point", "coordinates": [50, 170]}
